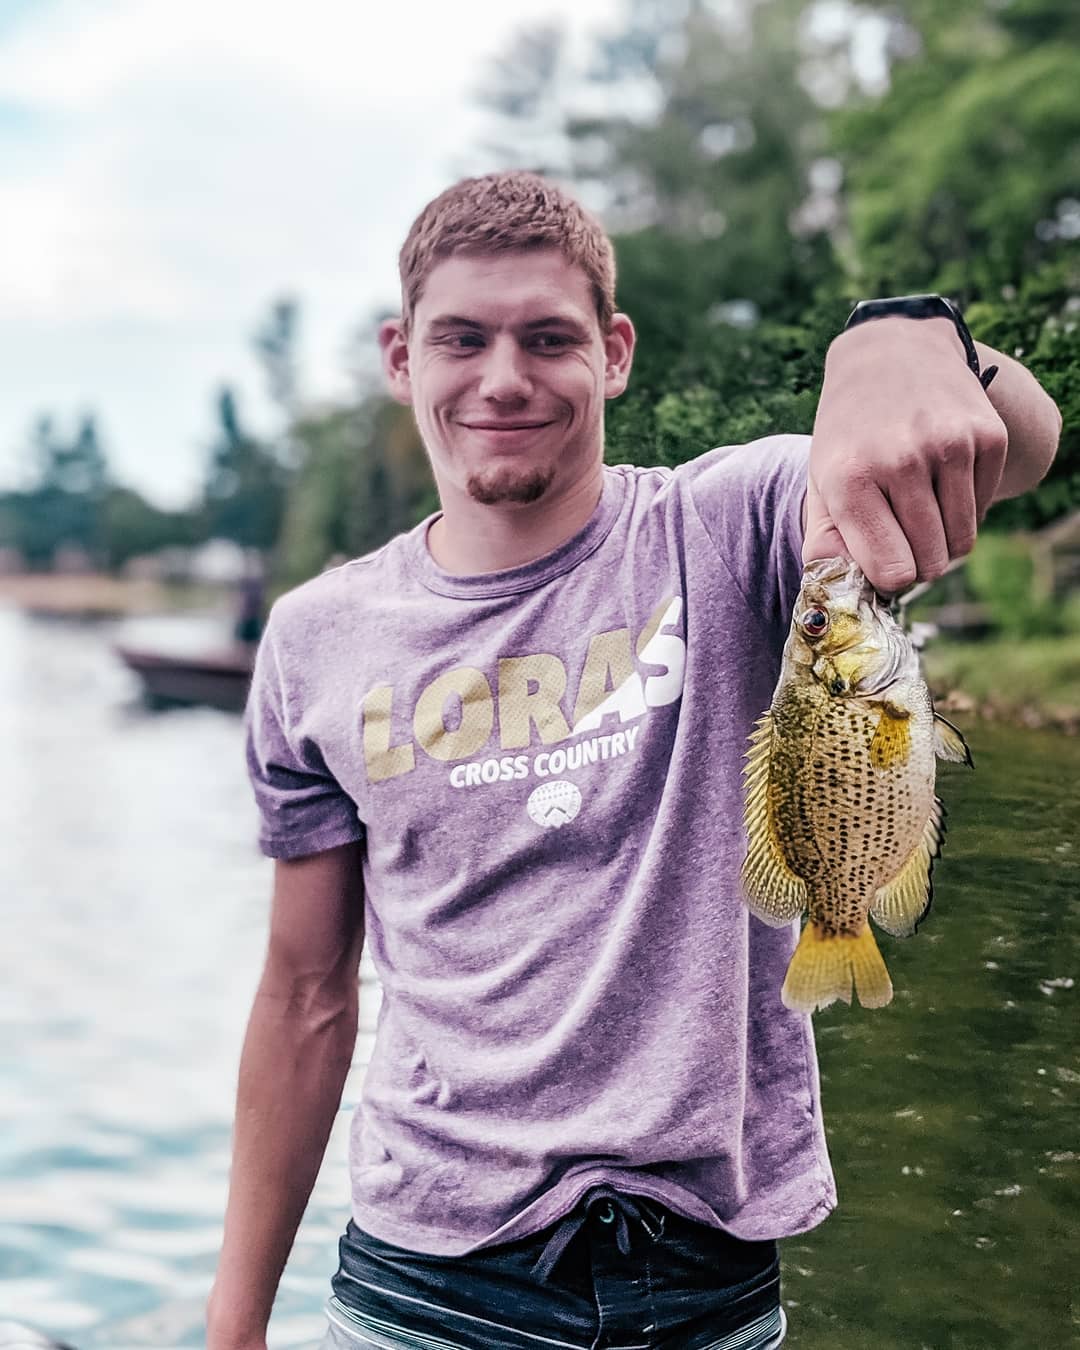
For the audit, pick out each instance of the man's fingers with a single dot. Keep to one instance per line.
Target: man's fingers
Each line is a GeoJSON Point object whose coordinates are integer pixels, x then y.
{"type": "Point", "coordinates": [989, 466]}
{"type": "Point", "coordinates": [916, 509]}
{"type": "Point", "coordinates": [872, 535]}
{"type": "Point", "coordinates": [821, 538]}
{"type": "Point", "coordinates": [956, 499]}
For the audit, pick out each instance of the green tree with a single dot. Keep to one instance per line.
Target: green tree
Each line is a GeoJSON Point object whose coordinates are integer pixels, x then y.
{"type": "Point", "coordinates": [964, 178]}
{"type": "Point", "coordinates": [364, 477]}
{"type": "Point", "coordinates": [63, 502]}
{"type": "Point", "coordinates": [244, 493]}
{"type": "Point", "coordinates": [276, 343]}
{"type": "Point", "coordinates": [131, 526]}
{"type": "Point", "coordinates": [703, 149]}
{"type": "Point", "coordinates": [756, 190]}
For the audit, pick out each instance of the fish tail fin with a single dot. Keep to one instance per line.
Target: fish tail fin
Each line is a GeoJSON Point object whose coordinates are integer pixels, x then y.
{"type": "Point", "coordinates": [825, 966]}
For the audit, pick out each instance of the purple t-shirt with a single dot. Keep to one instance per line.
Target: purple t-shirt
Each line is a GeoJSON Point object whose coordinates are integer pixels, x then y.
{"type": "Point", "coordinates": [544, 765]}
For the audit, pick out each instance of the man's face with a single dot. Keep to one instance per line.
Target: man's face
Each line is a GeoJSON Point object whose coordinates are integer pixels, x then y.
{"type": "Point", "coordinates": [507, 370]}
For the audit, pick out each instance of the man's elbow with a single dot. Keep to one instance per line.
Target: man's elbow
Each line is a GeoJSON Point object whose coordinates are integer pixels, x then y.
{"type": "Point", "coordinates": [1027, 464]}
{"type": "Point", "coordinates": [309, 993]}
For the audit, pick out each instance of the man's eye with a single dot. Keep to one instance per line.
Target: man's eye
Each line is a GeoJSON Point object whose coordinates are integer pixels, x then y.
{"type": "Point", "coordinates": [551, 341]}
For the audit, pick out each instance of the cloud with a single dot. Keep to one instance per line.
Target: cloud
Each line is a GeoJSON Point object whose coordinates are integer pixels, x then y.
{"type": "Point", "coordinates": [170, 169]}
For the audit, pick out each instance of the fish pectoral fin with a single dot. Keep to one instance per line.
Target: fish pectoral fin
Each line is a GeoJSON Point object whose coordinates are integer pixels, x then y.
{"type": "Point", "coordinates": [949, 742]}
{"type": "Point", "coordinates": [902, 903]}
{"type": "Point", "coordinates": [825, 966]}
{"type": "Point", "coordinates": [891, 744]}
{"type": "Point", "coordinates": [773, 892]}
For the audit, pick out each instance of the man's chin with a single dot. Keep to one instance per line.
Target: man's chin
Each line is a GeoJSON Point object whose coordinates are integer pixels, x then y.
{"type": "Point", "coordinates": [509, 483]}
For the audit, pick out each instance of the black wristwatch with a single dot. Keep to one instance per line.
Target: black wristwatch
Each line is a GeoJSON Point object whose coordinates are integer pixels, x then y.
{"type": "Point", "coordinates": [923, 307]}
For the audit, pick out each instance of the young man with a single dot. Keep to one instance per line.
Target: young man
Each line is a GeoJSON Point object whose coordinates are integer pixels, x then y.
{"type": "Point", "coordinates": [505, 750]}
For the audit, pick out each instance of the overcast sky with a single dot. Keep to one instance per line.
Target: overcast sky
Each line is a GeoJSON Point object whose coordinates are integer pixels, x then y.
{"type": "Point", "coordinates": [167, 170]}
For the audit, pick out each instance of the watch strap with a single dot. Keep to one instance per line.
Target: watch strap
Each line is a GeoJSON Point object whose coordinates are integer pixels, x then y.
{"type": "Point", "coordinates": [923, 307]}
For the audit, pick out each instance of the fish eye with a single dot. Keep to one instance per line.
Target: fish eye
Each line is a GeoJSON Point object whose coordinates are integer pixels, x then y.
{"type": "Point", "coordinates": [814, 622]}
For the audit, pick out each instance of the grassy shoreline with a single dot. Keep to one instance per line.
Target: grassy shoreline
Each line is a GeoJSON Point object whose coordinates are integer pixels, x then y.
{"type": "Point", "coordinates": [96, 595]}
{"type": "Point", "coordinates": [1032, 683]}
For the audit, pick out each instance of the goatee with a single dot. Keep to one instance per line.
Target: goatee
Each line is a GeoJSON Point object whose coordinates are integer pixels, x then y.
{"type": "Point", "coordinates": [507, 483]}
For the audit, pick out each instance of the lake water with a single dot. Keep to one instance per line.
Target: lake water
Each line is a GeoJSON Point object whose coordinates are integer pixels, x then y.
{"type": "Point", "coordinates": [135, 907]}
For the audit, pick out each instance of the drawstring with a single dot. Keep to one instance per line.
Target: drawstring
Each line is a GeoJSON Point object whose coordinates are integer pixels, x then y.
{"type": "Point", "coordinates": [610, 1207]}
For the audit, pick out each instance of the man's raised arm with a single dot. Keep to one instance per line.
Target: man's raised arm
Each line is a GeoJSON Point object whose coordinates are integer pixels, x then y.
{"type": "Point", "coordinates": [909, 451]}
{"type": "Point", "coordinates": [297, 1052]}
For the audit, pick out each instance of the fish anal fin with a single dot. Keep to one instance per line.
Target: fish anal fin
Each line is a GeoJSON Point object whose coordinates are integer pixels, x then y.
{"type": "Point", "coordinates": [899, 905]}
{"type": "Point", "coordinates": [891, 744]}
{"type": "Point", "coordinates": [949, 742]}
{"type": "Point", "coordinates": [826, 966]}
{"type": "Point", "coordinates": [773, 892]}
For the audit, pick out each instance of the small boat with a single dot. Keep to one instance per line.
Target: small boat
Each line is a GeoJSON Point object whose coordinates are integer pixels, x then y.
{"type": "Point", "coordinates": [217, 678]}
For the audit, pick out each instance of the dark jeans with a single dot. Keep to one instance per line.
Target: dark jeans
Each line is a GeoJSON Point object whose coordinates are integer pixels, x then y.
{"type": "Point", "coordinates": [619, 1272]}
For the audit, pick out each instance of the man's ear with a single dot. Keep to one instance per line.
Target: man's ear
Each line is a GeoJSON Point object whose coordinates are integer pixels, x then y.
{"type": "Point", "coordinates": [395, 360]}
{"type": "Point", "coordinates": [618, 354]}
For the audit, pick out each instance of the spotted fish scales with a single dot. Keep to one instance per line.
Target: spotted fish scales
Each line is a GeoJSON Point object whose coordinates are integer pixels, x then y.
{"type": "Point", "coordinates": [841, 815]}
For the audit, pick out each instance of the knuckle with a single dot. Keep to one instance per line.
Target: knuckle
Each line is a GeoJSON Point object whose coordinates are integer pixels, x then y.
{"type": "Point", "coordinates": [908, 463]}
{"type": "Point", "coordinates": [932, 568]}
{"type": "Point", "coordinates": [852, 486]}
{"type": "Point", "coordinates": [991, 434]}
{"type": "Point", "coordinates": [956, 451]}
{"type": "Point", "coordinates": [893, 576]}
{"type": "Point", "coordinates": [841, 470]}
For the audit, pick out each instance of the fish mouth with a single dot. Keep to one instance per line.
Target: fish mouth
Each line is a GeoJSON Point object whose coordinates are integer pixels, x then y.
{"type": "Point", "coordinates": [825, 571]}
{"type": "Point", "coordinates": [833, 578]}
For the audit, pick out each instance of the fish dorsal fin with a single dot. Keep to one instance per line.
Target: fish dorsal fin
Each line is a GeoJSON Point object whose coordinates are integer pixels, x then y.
{"type": "Point", "coordinates": [949, 742]}
{"type": "Point", "coordinates": [891, 745]}
{"type": "Point", "coordinates": [773, 891]}
{"type": "Point", "coordinates": [899, 905]}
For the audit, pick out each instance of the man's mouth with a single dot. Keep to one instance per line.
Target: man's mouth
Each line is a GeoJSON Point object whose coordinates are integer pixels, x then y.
{"type": "Point", "coordinates": [504, 426]}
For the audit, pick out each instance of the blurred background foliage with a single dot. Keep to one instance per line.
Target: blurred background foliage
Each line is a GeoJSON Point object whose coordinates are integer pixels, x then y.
{"type": "Point", "coordinates": [761, 164]}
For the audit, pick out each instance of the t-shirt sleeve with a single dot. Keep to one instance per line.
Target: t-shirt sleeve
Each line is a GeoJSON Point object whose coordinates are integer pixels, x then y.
{"type": "Point", "coordinates": [749, 498]}
{"type": "Point", "coordinates": [302, 807]}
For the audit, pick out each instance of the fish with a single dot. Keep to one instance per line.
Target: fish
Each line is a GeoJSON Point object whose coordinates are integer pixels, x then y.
{"type": "Point", "coordinates": [841, 815]}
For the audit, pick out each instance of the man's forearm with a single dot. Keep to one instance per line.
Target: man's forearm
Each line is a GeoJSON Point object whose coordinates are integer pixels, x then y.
{"type": "Point", "coordinates": [296, 1055]}
{"type": "Point", "coordinates": [1031, 418]}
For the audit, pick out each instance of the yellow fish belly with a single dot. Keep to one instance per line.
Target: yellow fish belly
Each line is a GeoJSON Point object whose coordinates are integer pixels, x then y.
{"type": "Point", "coordinates": [842, 823]}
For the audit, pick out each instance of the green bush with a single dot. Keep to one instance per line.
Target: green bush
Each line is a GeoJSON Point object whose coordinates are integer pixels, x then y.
{"type": "Point", "coordinates": [1002, 577]}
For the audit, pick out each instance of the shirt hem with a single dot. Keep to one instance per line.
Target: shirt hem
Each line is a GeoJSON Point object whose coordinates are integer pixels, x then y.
{"type": "Point", "coordinates": [451, 1244]}
{"type": "Point", "coordinates": [301, 846]}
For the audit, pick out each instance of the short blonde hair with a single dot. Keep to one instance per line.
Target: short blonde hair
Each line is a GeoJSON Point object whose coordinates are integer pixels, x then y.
{"type": "Point", "coordinates": [501, 212]}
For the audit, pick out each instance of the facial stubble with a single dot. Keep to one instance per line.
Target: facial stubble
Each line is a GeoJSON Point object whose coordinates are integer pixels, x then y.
{"type": "Point", "coordinates": [506, 483]}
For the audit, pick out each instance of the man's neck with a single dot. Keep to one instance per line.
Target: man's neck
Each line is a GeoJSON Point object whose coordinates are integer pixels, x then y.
{"type": "Point", "coordinates": [469, 539]}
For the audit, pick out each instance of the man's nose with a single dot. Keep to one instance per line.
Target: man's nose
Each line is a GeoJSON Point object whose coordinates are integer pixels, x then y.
{"type": "Point", "coordinates": [505, 375]}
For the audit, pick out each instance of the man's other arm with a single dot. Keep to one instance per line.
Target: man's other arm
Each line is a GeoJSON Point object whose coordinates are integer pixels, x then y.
{"type": "Point", "coordinates": [297, 1052]}
{"type": "Point", "coordinates": [1032, 423]}
{"type": "Point", "coordinates": [909, 452]}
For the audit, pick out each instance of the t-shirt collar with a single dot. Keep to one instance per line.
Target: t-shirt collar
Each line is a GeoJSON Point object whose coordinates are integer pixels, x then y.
{"type": "Point", "coordinates": [527, 576]}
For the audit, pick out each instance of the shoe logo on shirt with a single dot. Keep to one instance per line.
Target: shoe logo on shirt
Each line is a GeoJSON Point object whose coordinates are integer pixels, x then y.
{"type": "Point", "coordinates": [553, 805]}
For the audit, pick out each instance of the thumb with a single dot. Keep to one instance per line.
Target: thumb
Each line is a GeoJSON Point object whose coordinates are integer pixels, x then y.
{"type": "Point", "coordinates": [821, 538]}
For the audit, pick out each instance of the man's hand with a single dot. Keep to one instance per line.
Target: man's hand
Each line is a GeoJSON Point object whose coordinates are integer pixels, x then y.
{"type": "Point", "coordinates": [907, 455]}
